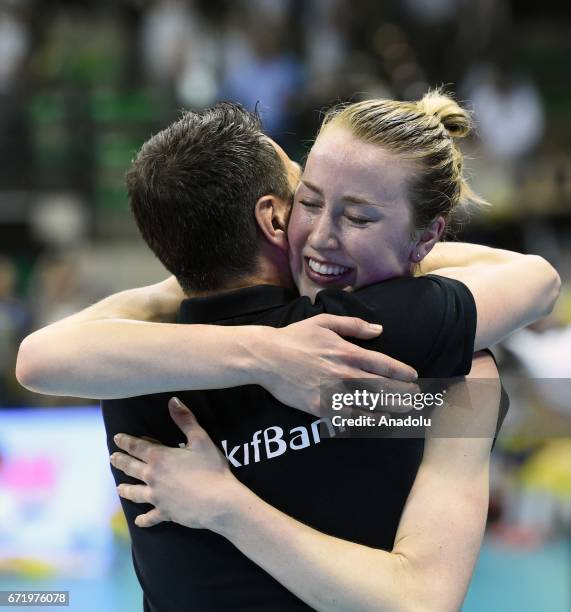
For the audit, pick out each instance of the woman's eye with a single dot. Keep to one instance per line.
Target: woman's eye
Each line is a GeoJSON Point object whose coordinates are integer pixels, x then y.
{"type": "Point", "coordinates": [309, 204]}
{"type": "Point", "coordinates": [359, 220]}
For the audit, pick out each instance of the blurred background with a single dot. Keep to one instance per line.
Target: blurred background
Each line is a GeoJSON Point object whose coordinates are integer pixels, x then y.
{"type": "Point", "coordinates": [84, 83]}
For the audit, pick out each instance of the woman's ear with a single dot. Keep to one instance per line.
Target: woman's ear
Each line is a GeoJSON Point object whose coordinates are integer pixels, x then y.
{"type": "Point", "coordinates": [427, 239]}
{"type": "Point", "coordinates": [271, 215]}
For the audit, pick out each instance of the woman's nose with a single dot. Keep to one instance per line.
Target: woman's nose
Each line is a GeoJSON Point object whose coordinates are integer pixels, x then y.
{"type": "Point", "coordinates": [323, 235]}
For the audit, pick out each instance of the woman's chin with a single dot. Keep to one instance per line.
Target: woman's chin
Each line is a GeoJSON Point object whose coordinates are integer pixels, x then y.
{"type": "Point", "coordinates": [310, 288]}
{"type": "Point", "coordinates": [309, 291]}
{"type": "Point", "coordinates": [306, 288]}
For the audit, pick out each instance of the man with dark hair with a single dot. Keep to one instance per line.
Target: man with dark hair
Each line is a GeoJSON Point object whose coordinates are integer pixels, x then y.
{"type": "Point", "coordinates": [197, 182]}
{"type": "Point", "coordinates": [355, 489]}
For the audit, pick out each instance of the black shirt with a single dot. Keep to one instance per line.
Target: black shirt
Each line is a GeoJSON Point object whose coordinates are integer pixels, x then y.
{"type": "Point", "coordinates": [352, 489]}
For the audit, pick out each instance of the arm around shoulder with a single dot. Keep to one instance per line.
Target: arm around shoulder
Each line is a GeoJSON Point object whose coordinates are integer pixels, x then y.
{"type": "Point", "coordinates": [104, 352]}
{"type": "Point", "coordinates": [436, 546]}
{"type": "Point", "coordinates": [511, 290]}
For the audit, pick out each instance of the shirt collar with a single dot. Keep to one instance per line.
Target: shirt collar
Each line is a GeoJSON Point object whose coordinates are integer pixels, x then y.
{"type": "Point", "coordinates": [230, 304]}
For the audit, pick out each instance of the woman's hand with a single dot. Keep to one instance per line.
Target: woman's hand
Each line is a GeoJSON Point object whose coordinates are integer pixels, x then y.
{"type": "Point", "coordinates": [293, 362]}
{"type": "Point", "coordinates": [191, 486]}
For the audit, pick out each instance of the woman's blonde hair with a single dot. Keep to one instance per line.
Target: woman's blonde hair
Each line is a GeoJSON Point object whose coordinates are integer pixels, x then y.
{"type": "Point", "coordinates": [423, 131]}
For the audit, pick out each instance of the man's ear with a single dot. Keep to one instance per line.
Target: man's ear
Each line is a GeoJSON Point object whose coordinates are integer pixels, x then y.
{"type": "Point", "coordinates": [426, 239]}
{"type": "Point", "coordinates": [272, 215]}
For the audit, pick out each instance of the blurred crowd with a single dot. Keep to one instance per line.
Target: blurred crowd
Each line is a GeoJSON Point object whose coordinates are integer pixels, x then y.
{"type": "Point", "coordinates": [84, 83]}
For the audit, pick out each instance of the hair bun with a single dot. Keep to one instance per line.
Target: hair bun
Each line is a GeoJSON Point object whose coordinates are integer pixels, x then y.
{"type": "Point", "coordinates": [455, 119]}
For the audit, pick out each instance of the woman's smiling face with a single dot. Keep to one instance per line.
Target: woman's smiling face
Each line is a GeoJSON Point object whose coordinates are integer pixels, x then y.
{"type": "Point", "coordinates": [351, 223]}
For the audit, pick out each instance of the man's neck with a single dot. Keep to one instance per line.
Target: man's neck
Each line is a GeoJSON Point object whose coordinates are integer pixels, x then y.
{"type": "Point", "coordinates": [267, 273]}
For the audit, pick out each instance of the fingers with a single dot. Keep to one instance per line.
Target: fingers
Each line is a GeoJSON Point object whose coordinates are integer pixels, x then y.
{"type": "Point", "coordinates": [128, 465]}
{"type": "Point", "coordinates": [149, 519]}
{"type": "Point", "coordinates": [184, 418]}
{"type": "Point", "coordinates": [137, 447]}
{"type": "Point", "coordinates": [383, 365]}
{"type": "Point", "coordinates": [136, 493]}
{"type": "Point", "coordinates": [349, 326]}
{"type": "Point", "coordinates": [388, 385]}
{"type": "Point", "coordinates": [369, 361]}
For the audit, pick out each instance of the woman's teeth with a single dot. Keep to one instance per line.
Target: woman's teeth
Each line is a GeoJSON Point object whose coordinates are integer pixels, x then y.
{"type": "Point", "coordinates": [326, 269]}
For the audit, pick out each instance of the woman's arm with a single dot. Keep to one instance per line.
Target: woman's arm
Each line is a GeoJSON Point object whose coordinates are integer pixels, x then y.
{"type": "Point", "coordinates": [437, 542]}
{"type": "Point", "coordinates": [106, 351]}
{"type": "Point", "coordinates": [511, 290]}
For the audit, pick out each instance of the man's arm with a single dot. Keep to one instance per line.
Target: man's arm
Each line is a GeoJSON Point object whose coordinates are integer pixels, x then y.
{"type": "Point", "coordinates": [511, 290]}
{"type": "Point", "coordinates": [107, 351]}
{"type": "Point", "coordinates": [437, 542]}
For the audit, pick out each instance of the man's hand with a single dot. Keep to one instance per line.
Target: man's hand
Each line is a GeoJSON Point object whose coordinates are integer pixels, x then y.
{"type": "Point", "coordinates": [296, 359]}
{"type": "Point", "coordinates": [186, 485]}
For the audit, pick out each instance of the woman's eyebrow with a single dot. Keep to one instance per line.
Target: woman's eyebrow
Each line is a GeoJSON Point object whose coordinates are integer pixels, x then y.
{"type": "Point", "coordinates": [354, 199]}
{"type": "Point", "coordinates": [311, 186]}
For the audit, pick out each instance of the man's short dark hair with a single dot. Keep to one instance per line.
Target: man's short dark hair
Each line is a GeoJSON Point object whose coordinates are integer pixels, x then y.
{"type": "Point", "coordinates": [193, 189]}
